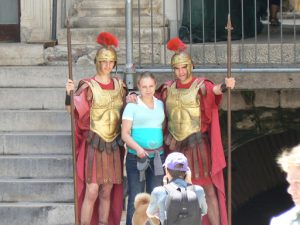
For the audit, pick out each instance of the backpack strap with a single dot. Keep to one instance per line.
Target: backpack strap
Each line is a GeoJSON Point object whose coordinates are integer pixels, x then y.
{"type": "Point", "coordinates": [191, 187]}
{"type": "Point", "coordinates": [184, 199]}
{"type": "Point", "coordinates": [171, 187]}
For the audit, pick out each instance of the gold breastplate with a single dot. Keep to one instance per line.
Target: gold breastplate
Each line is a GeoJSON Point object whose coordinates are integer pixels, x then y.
{"type": "Point", "coordinates": [183, 108]}
{"type": "Point", "coordinates": [105, 111]}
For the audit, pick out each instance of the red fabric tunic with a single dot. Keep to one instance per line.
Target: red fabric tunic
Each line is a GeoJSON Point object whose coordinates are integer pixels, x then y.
{"type": "Point", "coordinates": [214, 149]}
{"type": "Point", "coordinates": [82, 126]}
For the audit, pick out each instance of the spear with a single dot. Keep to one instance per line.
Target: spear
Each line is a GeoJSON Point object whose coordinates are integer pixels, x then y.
{"type": "Point", "coordinates": [229, 28]}
{"type": "Point", "coordinates": [72, 122]}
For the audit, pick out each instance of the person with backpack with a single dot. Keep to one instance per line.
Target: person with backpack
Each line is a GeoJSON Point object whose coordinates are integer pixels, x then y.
{"type": "Point", "coordinates": [178, 202]}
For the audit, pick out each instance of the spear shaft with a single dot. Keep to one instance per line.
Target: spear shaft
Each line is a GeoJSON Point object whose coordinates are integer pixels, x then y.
{"type": "Point", "coordinates": [229, 188]}
{"type": "Point", "coordinates": [69, 46]}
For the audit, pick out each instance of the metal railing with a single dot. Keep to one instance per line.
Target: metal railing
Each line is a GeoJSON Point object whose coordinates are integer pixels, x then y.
{"type": "Point", "coordinates": [257, 42]}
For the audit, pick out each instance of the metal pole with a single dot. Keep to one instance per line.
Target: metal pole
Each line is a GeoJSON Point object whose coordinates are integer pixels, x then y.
{"type": "Point", "coordinates": [129, 69]}
{"type": "Point", "coordinates": [295, 31]}
{"type": "Point", "coordinates": [255, 31]}
{"type": "Point", "coordinates": [139, 17]}
{"type": "Point", "coordinates": [270, 71]}
{"type": "Point", "coordinates": [152, 38]}
{"type": "Point", "coordinates": [203, 34]}
{"type": "Point", "coordinates": [69, 46]}
{"type": "Point", "coordinates": [229, 29]}
{"type": "Point", "coordinates": [54, 20]}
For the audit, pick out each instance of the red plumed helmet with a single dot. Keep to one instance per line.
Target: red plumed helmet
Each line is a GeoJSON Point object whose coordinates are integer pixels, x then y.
{"type": "Point", "coordinates": [107, 39]}
{"type": "Point", "coordinates": [176, 45]}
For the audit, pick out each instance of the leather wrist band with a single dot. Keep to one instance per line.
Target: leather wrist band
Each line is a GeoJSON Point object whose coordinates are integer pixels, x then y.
{"type": "Point", "coordinates": [223, 88]}
{"type": "Point", "coordinates": [68, 99]}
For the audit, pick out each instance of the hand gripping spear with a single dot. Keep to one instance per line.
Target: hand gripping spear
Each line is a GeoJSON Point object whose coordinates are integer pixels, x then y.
{"type": "Point", "coordinates": [229, 28]}
{"type": "Point", "coordinates": [72, 122]}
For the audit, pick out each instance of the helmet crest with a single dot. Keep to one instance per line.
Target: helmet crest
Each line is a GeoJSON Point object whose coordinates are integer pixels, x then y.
{"type": "Point", "coordinates": [180, 57]}
{"type": "Point", "coordinates": [107, 52]}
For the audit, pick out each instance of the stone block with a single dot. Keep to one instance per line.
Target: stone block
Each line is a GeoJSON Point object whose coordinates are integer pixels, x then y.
{"type": "Point", "coordinates": [290, 99]}
{"type": "Point", "coordinates": [268, 99]}
{"type": "Point", "coordinates": [237, 102]}
{"type": "Point", "coordinates": [21, 54]}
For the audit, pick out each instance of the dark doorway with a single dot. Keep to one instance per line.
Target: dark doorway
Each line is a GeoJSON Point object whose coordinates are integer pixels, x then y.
{"type": "Point", "coordinates": [10, 20]}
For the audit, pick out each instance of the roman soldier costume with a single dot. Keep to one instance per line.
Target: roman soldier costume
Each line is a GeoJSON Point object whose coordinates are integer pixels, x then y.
{"type": "Point", "coordinates": [193, 125]}
{"type": "Point", "coordinates": [100, 150]}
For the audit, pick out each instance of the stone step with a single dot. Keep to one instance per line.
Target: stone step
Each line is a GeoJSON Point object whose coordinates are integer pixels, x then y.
{"type": "Point", "coordinates": [89, 35]}
{"type": "Point", "coordinates": [27, 143]}
{"type": "Point", "coordinates": [40, 76]}
{"type": "Point", "coordinates": [115, 21]}
{"type": "Point", "coordinates": [209, 55]}
{"type": "Point", "coordinates": [36, 190]}
{"type": "Point", "coordinates": [29, 213]}
{"type": "Point", "coordinates": [32, 98]}
{"type": "Point", "coordinates": [115, 8]}
{"type": "Point", "coordinates": [116, 4]}
{"type": "Point", "coordinates": [21, 54]}
{"type": "Point", "coordinates": [85, 54]}
{"type": "Point", "coordinates": [34, 120]}
{"type": "Point", "coordinates": [96, 12]}
{"type": "Point", "coordinates": [36, 166]}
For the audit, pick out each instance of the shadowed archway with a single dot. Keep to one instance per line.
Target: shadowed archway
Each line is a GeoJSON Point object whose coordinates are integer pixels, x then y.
{"type": "Point", "coordinates": [258, 185]}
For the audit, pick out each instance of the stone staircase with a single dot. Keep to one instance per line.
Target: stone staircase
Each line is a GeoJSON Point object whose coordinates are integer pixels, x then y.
{"type": "Point", "coordinates": [89, 18]}
{"type": "Point", "coordinates": [35, 160]}
{"type": "Point", "coordinates": [36, 176]}
{"type": "Point", "coordinates": [36, 185]}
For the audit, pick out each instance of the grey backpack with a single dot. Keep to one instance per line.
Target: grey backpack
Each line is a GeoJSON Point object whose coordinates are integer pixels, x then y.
{"type": "Point", "coordinates": [182, 207]}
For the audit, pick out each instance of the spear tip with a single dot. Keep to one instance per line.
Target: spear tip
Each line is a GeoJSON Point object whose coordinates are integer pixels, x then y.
{"type": "Point", "coordinates": [229, 25]}
{"type": "Point", "coordinates": [68, 22]}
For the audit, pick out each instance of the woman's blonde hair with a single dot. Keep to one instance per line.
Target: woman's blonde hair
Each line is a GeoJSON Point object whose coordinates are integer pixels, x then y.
{"type": "Point", "coordinates": [145, 75]}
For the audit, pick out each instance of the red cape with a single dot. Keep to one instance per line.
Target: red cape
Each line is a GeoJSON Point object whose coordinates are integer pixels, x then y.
{"type": "Point", "coordinates": [210, 122]}
{"type": "Point", "coordinates": [82, 126]}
